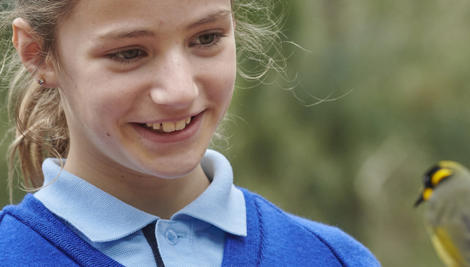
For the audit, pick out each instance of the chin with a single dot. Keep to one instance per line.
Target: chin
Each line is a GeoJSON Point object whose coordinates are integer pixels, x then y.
{"type": "Point", "coordinates": [173, 171]}
{"type": "Point", "coordinates": [166, 164]}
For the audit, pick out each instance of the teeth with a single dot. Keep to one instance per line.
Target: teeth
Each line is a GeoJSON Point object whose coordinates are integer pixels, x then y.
{"type": "Point", "coordinates": [180, 125]}
{"type": "Point", "coordinates": [170, 126]}
{"type": "Point", "coordinates": [156, 126]}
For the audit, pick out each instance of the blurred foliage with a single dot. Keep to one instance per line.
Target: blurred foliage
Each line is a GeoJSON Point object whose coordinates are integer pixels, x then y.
{"type": "Point", "coordinates": [377, 95]}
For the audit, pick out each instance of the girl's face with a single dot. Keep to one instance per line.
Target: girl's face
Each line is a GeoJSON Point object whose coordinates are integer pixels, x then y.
{"type": "Point", "coordinates": [127, 67]}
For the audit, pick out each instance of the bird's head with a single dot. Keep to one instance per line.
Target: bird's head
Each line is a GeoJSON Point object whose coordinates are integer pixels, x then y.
{"type": "Point", "coordinates": [435, 176]}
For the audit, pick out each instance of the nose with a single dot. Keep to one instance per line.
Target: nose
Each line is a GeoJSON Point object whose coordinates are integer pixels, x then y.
{"type": "Point", "coordinates": [175, 83]}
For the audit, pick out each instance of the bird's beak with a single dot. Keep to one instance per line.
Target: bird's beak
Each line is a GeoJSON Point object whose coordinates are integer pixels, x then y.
{"type": "Point", "coordinates": [419, 201]}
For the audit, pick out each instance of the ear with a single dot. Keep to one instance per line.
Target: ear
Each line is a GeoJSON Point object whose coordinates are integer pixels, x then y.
{"type": "Point", "coordinates": [28, 45]}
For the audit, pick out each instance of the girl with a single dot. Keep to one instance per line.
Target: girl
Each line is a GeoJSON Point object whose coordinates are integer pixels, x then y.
{"type": "Point", "coordinates": [126, 96]}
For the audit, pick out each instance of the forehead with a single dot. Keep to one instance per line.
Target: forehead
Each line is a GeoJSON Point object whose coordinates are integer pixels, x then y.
{"type": "Point", "coordinates": [98, 15]}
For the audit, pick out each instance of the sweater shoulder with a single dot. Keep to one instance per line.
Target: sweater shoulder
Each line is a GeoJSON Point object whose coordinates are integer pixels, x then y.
{"type": "Point", "coordinates": [31, 234]}
{"type": "Point", "coordinates": [344, 246]}
{"type": "Point", "coordinates": [294, 229]}
{"type": "Point", "coordinates": [21, 245]}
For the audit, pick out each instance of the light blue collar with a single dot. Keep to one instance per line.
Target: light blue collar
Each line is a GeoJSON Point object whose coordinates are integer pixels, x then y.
{"type": "Point", "coordinates": [102, 217]}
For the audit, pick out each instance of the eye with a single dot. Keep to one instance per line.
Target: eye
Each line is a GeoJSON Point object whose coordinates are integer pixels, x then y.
{"type": "Point", "coordinates": [207, 39]}
{"type": "Point", "coordinates": [128, 55]}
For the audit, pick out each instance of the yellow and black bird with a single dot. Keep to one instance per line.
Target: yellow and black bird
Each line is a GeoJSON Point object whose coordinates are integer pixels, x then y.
{"type": "Point", "coordinates": [447, 193]}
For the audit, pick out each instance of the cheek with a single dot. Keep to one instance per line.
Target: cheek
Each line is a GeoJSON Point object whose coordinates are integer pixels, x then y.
{"type": "Point", "coordinates": [224, 96]}
{"type": "Point", "coordinates": [94, 107]}
{"type": "Point", "coordinates": [92, 89]}
{"type": "Point", "coordinates": [98, 92]}
{"type": "Point", "coordinates": [227, 86]}
{"type": "Point", "coordinates": [221, 77]}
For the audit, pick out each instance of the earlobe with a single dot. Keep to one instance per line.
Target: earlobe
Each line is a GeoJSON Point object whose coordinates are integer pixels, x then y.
{"type": "Point", "coordinates": [28, 45]}
{"type": "Point", "coordinates": [48, 72]}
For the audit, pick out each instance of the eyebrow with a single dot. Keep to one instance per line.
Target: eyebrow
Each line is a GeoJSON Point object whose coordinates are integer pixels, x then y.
{"type": "Point", "coordinates": [129, 34]}
{"type": "Point", "coordinates": [211, 18]}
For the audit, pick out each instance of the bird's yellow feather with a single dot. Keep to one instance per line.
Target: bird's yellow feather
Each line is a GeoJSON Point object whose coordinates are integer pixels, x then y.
{"type": "Point", "coordinates": [446, 249]}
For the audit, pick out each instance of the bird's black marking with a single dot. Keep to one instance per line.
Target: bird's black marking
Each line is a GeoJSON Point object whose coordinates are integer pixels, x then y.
{"type": "Point", "coordinates": [428, 176]}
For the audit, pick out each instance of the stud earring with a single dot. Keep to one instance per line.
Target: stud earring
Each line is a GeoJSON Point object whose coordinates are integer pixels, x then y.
{"type": "Point", "coordinates": [41, 82]}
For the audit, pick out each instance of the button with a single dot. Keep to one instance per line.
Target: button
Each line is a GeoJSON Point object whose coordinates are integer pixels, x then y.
{"type": "Point", "coordinates": [171, 236]}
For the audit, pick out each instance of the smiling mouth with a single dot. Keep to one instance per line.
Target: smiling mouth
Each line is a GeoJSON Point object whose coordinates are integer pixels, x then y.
{"type": "Point", "coordinates": [168, 126]}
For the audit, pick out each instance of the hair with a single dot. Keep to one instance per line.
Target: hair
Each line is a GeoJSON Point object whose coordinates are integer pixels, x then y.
{"type": "Point", "coordinates": [35, 112]}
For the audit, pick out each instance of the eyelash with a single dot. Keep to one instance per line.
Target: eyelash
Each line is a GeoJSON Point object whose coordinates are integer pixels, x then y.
{"type": "Point", "coordinates": [216, 35]}
{"type": "Point", "coordinates": [120, 57]}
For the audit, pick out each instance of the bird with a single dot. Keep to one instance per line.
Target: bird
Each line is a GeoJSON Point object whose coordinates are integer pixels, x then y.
{"type": "Point", "coordinates": [447, 196]}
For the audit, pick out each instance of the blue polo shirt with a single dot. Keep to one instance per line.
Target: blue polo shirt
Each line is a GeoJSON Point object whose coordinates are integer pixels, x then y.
{"type": "Point", "coordinates": [194, 236]}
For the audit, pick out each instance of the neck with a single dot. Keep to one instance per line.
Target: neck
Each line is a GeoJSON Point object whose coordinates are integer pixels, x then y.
{"type": "Point", "coordinates": [154, 195]}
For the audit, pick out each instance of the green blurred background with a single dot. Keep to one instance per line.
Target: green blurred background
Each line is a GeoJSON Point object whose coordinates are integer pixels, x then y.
{"type": "Point", "coordinates": [397, 71]}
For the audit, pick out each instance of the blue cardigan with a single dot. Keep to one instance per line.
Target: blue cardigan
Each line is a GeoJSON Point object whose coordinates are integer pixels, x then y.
{"type": "Point", "coordinates": [30, 234]}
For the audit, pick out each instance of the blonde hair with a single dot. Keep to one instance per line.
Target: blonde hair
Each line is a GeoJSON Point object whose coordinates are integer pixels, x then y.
{"type": "Point", "coordinates": [39, 124]}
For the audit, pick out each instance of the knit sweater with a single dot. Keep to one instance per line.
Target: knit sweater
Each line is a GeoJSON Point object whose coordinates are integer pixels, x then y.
{"type": "Point", "coordinates": [30, 235]}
